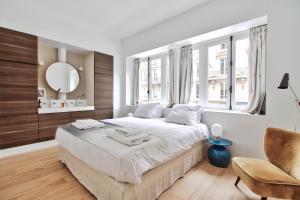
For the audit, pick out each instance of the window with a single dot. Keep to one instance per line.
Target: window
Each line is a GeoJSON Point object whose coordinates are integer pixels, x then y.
{"type": "Point", "coordinates": [217, 84]}
{"type": "Point", "coordinates": [152, 85]}
{"type": "Point", "coordinates": [217, 74]}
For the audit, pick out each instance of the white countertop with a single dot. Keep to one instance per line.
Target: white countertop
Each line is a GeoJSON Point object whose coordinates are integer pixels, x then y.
{"type": "Point", "coordinates": [65, 109]}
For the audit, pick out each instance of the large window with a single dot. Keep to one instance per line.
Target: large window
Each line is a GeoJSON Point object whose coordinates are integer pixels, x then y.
{"type": "Point", "coordinates": [220, 74]}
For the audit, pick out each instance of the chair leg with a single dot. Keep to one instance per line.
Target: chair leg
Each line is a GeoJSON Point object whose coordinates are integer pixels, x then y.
{"type": "Point", "coordinates": [237, 181]}
{"type": "Point", "coordinates": [263, 198]}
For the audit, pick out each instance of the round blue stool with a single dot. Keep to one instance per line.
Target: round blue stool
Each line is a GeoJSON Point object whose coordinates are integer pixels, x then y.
{"type": "Point", "coordinates": [218, 154]}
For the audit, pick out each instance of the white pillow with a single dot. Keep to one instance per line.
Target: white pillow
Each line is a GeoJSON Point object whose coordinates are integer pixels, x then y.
{"type": "Point", "coordinates": [185, 114]}
{"type": "Point", "coordinates": [148, 110]}
{"type": "Point", "coordinates": [180, 116]}
{"type": "Point", "coordinates": [194, 107]}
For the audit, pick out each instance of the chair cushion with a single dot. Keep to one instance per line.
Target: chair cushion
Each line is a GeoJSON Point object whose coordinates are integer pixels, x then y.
{"type": "Point", "coordinates": [264, 171]}
{"type": "Point", "coordinates": [265, 179]}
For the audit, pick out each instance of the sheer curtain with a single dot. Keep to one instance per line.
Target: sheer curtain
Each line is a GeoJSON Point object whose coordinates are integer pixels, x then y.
{"type": "Point", "coordinates": [257, 63]}
{"type": "Point", "coordinates": [186, 74]}
{"type": "Point", "coordinates": [172, 77]}
{"type": "Point", "coordinates": [136, 70]}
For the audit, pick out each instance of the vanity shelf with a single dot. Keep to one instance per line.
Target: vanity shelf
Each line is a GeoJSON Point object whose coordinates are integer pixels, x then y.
{"type": "Point", "coordinates": [65, 109]}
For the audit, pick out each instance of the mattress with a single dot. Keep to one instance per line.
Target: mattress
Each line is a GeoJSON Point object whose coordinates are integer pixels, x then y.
{"type": "Point", "coordinates": [107, 156]}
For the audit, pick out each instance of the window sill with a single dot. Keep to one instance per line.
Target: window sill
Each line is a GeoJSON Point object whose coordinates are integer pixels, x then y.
{"type": "Point", "coordinates": [226, 111]}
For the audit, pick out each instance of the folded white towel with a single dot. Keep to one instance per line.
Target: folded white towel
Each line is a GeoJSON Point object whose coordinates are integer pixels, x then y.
{"type": "Point", "coordinates": [128, 132]}
{"type": "Point", "coordinates": [87, 123]}
{"type": "Point", "coordinates": [130, 141]}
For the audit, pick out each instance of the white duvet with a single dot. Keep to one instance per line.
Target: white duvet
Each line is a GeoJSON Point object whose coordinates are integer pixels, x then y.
{"type": "Point", "coordinates": [129, 163]}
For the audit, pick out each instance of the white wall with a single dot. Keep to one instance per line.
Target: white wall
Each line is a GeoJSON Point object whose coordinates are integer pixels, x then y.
{"type": "Point", "coordinates": [21, 16]}
{"type": "Point", "coordinates": [246, 131]}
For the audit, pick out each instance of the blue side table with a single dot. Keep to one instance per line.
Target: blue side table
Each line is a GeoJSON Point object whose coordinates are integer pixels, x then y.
{"type": "Point", "coordinates": [218, 154]}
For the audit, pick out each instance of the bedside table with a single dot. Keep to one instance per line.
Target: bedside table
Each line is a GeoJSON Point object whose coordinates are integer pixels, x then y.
{"type": "Point", "coordinates": [218, 154]}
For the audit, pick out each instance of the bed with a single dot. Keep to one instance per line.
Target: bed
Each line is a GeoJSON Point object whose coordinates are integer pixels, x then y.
{"type": "Point", "coordinates": [113, 171]}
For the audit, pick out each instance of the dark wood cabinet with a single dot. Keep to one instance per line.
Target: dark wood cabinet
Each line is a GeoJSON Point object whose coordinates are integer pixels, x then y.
{"type": "Point", "coordinates": [103, 86]}
{"type": "Point", "coordinates": [18, 130]}
{"type": "Point", "coordinates": [17, 46]}
{"type": "Point", "coordinates": [82, 115]}
{"type": "Point", "coordinates": [48, 124]}
{"type": "Point", "coordinates": [18, 88]}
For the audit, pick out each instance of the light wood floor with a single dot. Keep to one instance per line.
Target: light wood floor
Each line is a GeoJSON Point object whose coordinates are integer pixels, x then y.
{"type": "Point", "coordinates": [40, 175]}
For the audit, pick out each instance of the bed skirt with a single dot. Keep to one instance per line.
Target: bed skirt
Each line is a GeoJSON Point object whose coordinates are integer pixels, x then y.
{"type": "Point", "coordinates": [154, 182]}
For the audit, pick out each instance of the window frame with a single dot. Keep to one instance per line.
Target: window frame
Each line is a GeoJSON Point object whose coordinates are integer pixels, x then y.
{"type": "Point", "coordinates": [237, 37]}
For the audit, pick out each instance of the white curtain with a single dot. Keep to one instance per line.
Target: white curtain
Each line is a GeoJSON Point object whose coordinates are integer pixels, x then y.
{"type": "Point", "coordinates": [172, 77]}
{"type": "Point", "coordinates": [257, 63]}
{"type": "Point", "coordinates": [186, 74]}
{"type": "Point", "coordinates": [136, 70]}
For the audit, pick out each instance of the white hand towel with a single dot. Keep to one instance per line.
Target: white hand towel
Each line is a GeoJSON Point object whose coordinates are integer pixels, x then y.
{"type": "Point", "coordinates": [91, 122]}
{"type": "Point", "coordinates": [87, 123]}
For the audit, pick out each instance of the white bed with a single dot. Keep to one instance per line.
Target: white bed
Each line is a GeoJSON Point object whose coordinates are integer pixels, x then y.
{"type": "Point", "coordinates": [128, 164]}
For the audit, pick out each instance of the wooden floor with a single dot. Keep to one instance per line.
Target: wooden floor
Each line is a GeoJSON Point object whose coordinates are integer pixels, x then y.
{"type": "Point", "coordinates": [40, 175]}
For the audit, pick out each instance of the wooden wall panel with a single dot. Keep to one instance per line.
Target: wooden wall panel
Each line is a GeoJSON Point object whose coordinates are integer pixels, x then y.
{"type": "Point", "coordinates": [103, 86]}
{"type": "Point", "coordinates": [103, 63]}
{"type": "Point", "coordinates": [82, 115]}
{"type": "Point", "coordinates": [19, 39]}
{"type": "Point", "coordinates": [18, 88]}
{"type": "Point", "coordinates": [17, 46]}
{"type": "Point", "coordinates": [48, 124]}
{"type": "Point", "coordinates": [18, 130]}
{"type": "Point", "coordinates": [104, 113]}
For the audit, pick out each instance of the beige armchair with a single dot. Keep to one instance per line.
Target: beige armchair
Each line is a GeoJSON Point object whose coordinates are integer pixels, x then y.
{"type": "Point", "coordinates": [279, 176]}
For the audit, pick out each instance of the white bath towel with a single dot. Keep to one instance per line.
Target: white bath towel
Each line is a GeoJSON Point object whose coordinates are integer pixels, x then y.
{"type": "Point", "coordinates": [87, 123]}
{"type": "Point", "coordinates": [131, 140]}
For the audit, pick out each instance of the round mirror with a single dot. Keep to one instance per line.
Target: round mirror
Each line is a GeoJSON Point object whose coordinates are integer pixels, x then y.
{"type": "Point", "coordinates": [62, 77]}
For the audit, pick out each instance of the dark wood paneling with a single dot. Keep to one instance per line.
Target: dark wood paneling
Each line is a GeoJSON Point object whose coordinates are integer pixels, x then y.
{"type": "Point", "coordinates": [19, 39]}
{"type": "Point", "coordinates": [13, 53]}
{"type": "Point", "coordinates": [18, 81]}
{"type": "Point", "coordinates": [104, 114]}
{"type": "Point", "coordinates": [15, 108]}
{"type": "Point", "coordinates": [48, 124]}
{"type": "Point", "coordinates": [82, 115]}
{"type": "Point", "coordinates": [103, 86]}
{"type": "Point", "coordinates": [103, 63]}
{"type": "Point", "coordinates": [18, 88]}
{"type": "Point", "coordinates": [18, 130]}
{"type": "Point", "coordinates": [17, 46]}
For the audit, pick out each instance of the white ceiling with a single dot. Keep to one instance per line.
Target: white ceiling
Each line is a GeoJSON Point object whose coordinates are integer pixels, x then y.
{"type": "Point", "coordinates": [116, 18]}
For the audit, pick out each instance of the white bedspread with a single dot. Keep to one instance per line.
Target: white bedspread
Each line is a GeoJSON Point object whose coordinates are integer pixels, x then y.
{"type": "Point", "coordinates": [125, 163]}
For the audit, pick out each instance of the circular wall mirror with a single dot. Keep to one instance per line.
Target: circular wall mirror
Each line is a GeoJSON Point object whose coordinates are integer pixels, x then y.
{"type": "Point", "coordinates": [62, 77]}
